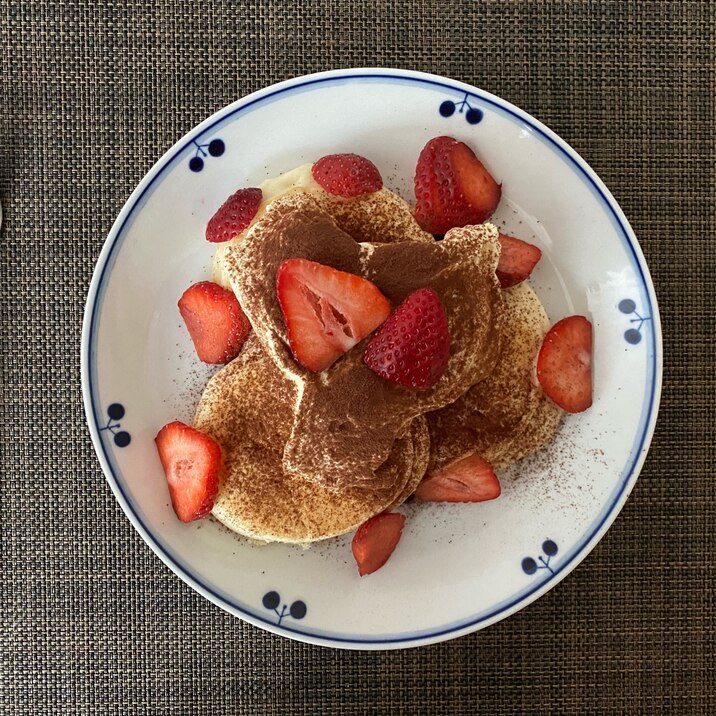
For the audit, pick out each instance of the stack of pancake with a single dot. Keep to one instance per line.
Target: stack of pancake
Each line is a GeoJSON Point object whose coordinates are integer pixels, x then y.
{"type": "Point", "coordinates": [313, 455]}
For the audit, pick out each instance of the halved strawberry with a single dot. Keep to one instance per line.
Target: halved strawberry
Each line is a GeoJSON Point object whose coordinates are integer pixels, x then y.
{"type": "Point", "coordinates": [234, 215]}
{"type": "Point", "coordinates": [191, 462]}
{"type": "Point", "coordinates": [452, 187]}
{"type": "Point", "coordinates": [469, 479]}
{"type": "Point", "coordinates": [412, 347]}
{"type": "Point", "coordinates": [517, 259]}
{"type": "Point", "coordinates": [217, 325]}
{"type": "Point", "coordinates": [326, 311]}
{"type": "Point", "coordinates": [564, 364]}
{"type": "Point", "coordinates": [347, 175]}
{"type": "Point", "coordinates": [375, 541]}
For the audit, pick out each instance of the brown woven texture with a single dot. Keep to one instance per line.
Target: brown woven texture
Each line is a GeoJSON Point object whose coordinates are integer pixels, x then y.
{"type": "Point", "coordinates": [92, 95]}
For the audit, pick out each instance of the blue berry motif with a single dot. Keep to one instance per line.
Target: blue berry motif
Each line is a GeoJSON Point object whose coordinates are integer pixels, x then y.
{"type": "Point", "coordinates": [215, 148]}
{"type": "Point", "coordinates": [473, 115]}
{"type": "Point", "coordinates": [530, 565]}
{"type": "Point", "coordinates": [628, 307]}
{"type": "Point", "coordinates": [115, 412]}
{"type": "Point", "coordinates": [297, 610]}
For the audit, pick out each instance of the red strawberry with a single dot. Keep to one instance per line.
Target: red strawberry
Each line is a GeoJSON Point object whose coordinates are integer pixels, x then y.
{"type": "Point", "coordinates": [452, 187]}
{"type": "Point", "coordinates": [326, 311]}
{"type": "Point", "coordinates": [347, 175]}
{"type": "Point", "coordinates": [412, 347]}
{"type": "Point", "coordinates": [191, 462]}
{"type": "Point", "coordinates": [375, 541]}
{"type": "Point", "coordinates": [234, 215]}
{"type": "Point", "coordinates": [469, 479]}
{"type": "Point", "coordinates": [216, 323]}
{"type": "Point", "coordinates": [517, 259]}
{"type": "Point", "coordinates": [564, 364]}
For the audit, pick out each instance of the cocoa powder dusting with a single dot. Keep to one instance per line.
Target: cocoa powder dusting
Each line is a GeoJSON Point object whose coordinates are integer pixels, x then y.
{"type": "Point", "coordinates": [346, 419]}
{"type": "Point", "coordinates": [247, 407]}
{"type": "Point", "coordinates": [506, 416]}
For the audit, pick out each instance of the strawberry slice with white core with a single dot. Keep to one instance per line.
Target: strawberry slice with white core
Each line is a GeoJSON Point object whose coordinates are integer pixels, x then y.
{"type": "Point", "coordinates": [376, 540]}
{"type": "Point", "coordinates": [326, 311]}
{"type": "Point", "coordinates": [564, 364]}
{"type": "Point", "coordinates": [469, 479]}
{"type": "Point", "coordinates": [191, 462]}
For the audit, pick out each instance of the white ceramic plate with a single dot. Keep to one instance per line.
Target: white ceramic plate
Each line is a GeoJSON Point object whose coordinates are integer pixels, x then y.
{"type": "Point", "coordinates": [458, 568]}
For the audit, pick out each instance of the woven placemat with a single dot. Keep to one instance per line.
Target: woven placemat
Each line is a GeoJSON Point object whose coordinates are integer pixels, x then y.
{"type": "Point", "coordinates": [92, 621]}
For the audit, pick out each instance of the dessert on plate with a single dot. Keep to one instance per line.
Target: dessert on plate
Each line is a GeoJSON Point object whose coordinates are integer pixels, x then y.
{"type": "Point", "coordinates": [372, 351]}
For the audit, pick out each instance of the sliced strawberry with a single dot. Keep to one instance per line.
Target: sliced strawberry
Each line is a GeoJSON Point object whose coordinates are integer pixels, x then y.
{"type": "Point", "coordinates": [412, 347]}
{"type": "Point", "coordinates": [191, 462]}
{"type": "Point", "coordinates": [452, 187]}
{"type": "Point", "coordinates": [217, 325]}
{"type": "Point", "coordinates": [234, 215]}
{"type": "Point", "coordinates": [469, 479]}
{"type": "Point", "coordinates": [347, 175]}
{"type": "Point", "coordinates": [375, 541]}
{"type": "Point", "coordinates": [326, 311]}
{"type": "Point", "coordinates": [517, 259]}
{"type": "Point", "coordinates": [564, 364]}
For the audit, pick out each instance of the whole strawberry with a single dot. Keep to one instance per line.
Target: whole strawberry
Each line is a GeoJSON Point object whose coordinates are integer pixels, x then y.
{"type": "Point", "coordinates": [234, 215]}
{"type": "Point", "coordinates": [412, 347]}
{"type": "Point", "coordinates": [347, 175]}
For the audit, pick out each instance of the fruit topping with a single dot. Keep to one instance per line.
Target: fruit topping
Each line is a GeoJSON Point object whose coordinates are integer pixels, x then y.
{"type": "Point", "coordinates": [191, 462]}
{"type": "Point", "coordinates": [216, 323]}
{"type": "Point", "coordinates": [469, 479]}
{"type": "Point", "coordinates": [234, 215]}
{"type": "Point", "coordinates": [375, 541]}
{"type": "Point", "coordinates": [452, 187]}
{"type": "Point", "coordinates": [347, 175]}
{"type": "Point", "coordinates": [326, 311]}
{"type": "Point", "coordinates": [517, 259]}
{"type": "Point", "coordinates": [412, 347]}
{"type": "Point", "coordinates": [564, 364]}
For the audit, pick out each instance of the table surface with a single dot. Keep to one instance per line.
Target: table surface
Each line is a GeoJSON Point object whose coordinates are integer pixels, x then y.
{"type": "Point", "coordinates": [92, 621]}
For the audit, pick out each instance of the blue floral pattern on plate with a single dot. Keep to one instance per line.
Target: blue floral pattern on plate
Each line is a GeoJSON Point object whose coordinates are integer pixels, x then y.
{"type": "Point", "coordinates": [628, 307]}
{"type": "Point", "coordinates": [473, 115]}
{"type": "Point", "coordinates": [116, 412]}
{"type": "Point", "coordinates": [531, 565]}
{"type": "Point", "coordinates": [297, 610]}
{"type": "Point", "coordinates": [214, 148]}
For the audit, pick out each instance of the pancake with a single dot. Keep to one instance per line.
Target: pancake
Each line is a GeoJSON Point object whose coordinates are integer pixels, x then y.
{"type": "Point", "coordinates": [379, 217]}
{"type": "Point", "coordinates": [347, 417]}
{"type": "Point", "coordinates": [507, 415]}
{"type": "Point", "coordinates": [257, 497]}
{"type": "Point", "coordinates": [338, 447]}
